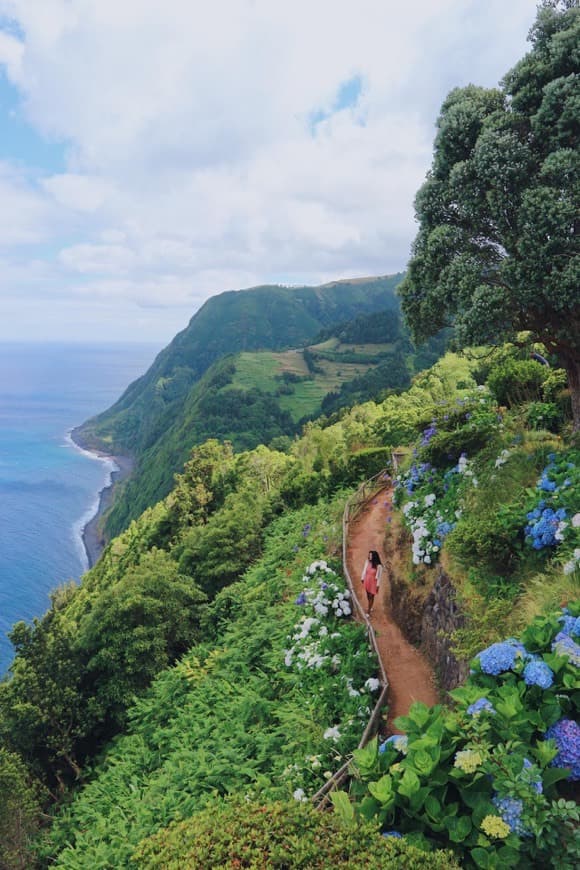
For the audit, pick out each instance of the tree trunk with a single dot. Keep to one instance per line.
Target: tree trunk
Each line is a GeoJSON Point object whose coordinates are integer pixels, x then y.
{"type": "Point", "coordinates": [572, 367]}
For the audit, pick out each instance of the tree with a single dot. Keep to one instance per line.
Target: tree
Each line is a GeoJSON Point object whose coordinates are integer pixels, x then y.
{"type": "Point", "coordinates": [43, 713]}
{"type": "Point", "coordinates": [497, 248]}
{"type": "Point", "coordinates": [20, 812]}
{"type": "Point", "coordinates": [135, 629]}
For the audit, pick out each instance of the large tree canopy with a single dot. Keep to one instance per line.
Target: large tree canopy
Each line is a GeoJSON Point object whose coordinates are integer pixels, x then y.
{"type": "Point", "coordinates": [497, 248]}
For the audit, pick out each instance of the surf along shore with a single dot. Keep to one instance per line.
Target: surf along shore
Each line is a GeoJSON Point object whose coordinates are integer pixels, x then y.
{"type": "Point", "coordinates": [91, 533]}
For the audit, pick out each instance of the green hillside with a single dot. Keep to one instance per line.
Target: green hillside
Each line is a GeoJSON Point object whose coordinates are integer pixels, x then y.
{"type": "Point", "coordinates": [267, 317]}
{"type": "Point", "coordinates": [173, 672]}
{"type": "Point", "coordinates": [252, 398]}
{"type": "Point", "coordinates": [183, 399]}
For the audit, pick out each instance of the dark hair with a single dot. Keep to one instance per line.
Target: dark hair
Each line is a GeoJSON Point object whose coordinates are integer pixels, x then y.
{"type": "Point", "coordinates": [375, 558]}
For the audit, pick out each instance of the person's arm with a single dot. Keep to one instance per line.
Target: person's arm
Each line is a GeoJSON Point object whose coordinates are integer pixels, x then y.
{"type": "Point", "coordinates": [379, 575]}
{"type": "Point", "coordinates": [364, 570]}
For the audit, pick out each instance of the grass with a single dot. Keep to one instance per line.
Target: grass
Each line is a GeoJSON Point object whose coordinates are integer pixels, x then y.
{"type": "Point", "coordinates": [263, 370]}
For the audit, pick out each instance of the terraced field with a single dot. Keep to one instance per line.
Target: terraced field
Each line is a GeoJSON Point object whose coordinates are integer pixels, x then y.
{"type": "Point", "coordinates": [266, 370]}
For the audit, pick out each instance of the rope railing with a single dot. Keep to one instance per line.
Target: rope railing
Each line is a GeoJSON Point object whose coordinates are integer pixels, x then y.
{"type": "Point", "coordinates": [352, 509]}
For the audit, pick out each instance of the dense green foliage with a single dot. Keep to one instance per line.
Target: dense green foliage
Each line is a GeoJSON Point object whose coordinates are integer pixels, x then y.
{"type": "Point", "coordinates": [185, 640]}
{"type": "Point", "coordinates": [497, 249]}
{"type": "Point", "coordinates": [165, 412]}
{"type": "Point", "coordinates": [236, 715]}
{"type": "Point", "coordinates": [278, 835]}
{"type": "Point", "coordinates": [252, 399]}
{"type": "Point", "coordinates": [19, 812]}
{"type": "Point", "coordinates": [182, 704]}
{"type": "Point", "coordinates": [482, 777]}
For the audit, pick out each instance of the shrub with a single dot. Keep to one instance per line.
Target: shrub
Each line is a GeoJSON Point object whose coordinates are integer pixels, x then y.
{"type": "Point", "coordinates": [495, 538]}
{"type": "Point", "coordinates": [482, 778]}
{"type": "Point", "coordinates": [514, 382]}
{"type": "Point", "coordinates": [278, 835]}
{"type": "Point", "coordinates": [19, 812]}
{"type": "Point", "coordinates": [366, 463]}
{"type": "Point", "coordinates": [304, 488]}
{"type": "Point", "coordinates": [544, 415]}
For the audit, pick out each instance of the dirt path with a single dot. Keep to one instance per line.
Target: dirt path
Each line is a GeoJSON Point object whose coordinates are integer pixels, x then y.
{"type": "Point", "coordinates": [410, 675]}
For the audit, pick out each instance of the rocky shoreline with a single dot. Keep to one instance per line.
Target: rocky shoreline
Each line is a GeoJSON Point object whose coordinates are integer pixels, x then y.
{"type": "Point", "coordinates": [91, 534]}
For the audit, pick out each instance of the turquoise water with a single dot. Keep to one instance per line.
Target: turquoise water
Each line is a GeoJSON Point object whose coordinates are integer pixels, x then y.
{"type": "Point", "coordinates": [49, 488]}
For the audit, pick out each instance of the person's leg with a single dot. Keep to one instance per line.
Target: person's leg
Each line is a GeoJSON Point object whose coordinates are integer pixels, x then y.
{"type": "Point", "coordinates": [371, 601]}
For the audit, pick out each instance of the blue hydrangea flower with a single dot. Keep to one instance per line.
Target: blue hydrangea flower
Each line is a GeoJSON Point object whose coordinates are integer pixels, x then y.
{"type": "Point", "coordinates": [510, 809]}
{"type": "Point", "coordinates": [428, 434]}
{"type": "Point", "coordinates": [395, 834]}
{"type": "Point", "coordinates": [497, 658]}
{"type": "Point", "coordinates": [301, 599]}
{"type": "Point", "coordinates": [565, 646]}
{"type": "Point", "coordinates": [566, 733]}
{"type": "Point", "coordinates": [544, 526]}
{"type": "Point", "coordinates": [570, 625]}
{"type": "Point", "coordinates": [534, 778]}
{"type": "Point", "coordinates": [479, 706]}
{"type": "Point", "coordinates": [398, 741]}
{"type": "Point", "coordinates": [537, 673]}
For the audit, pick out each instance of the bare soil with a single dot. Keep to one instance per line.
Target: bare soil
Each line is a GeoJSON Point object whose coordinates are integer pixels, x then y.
{"type": "Point", "coordinates": [410, 675]}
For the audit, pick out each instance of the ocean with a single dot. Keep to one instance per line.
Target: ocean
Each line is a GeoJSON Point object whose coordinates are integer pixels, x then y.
{"type": "Point", "coordinates": [49, 488]}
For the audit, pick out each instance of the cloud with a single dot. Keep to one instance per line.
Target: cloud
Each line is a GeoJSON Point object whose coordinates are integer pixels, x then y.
{"type": "Point", "coordinates": [243, 141]}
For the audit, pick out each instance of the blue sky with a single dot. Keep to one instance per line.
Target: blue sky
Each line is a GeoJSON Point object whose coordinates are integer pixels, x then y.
{"type": "Point", "coordinates": [155, 153]}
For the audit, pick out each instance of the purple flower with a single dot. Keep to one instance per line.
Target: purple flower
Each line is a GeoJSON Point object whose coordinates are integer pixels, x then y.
{"type": "Point", "coordinates": [566, 733]}
{"type": "Point", "coordinates": [570, 625]}
{"type": "Point", "coordinates": [565, 646]}
{"type": "Point", "coordinates": [301, 599]}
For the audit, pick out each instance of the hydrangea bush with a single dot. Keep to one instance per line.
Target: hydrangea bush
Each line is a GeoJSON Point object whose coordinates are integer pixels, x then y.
{"type": "Point", "coordinates": [490, 777]}
{"type": "Point", "coordinates": [431, 504]}
{"type": "Point", "coordinates": [554, 516]}
{"type": "Point", "coordinates": [336, 669]}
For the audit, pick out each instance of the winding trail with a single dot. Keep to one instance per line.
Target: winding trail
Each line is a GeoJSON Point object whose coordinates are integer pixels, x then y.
{"type": "Point", "coordinates": [411, 678]}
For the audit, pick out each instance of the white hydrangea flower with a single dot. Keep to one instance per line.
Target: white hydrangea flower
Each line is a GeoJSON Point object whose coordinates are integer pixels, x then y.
{"type": "Point", "coordinates": [332, 733]}
{"type": "Point", "coordinates": [299, 795]}
{"type": "Point", "coordinates": [372, 684]}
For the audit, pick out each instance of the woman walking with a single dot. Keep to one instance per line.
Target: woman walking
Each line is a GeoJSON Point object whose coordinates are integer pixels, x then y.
{"type": "Point", "coordinates": [371, 577]}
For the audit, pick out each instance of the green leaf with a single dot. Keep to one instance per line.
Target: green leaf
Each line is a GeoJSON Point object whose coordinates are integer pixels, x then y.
{"type": "Point", "coordinates": [508, 857]}
{"type": "Point", "coordinates": [369, 808]}
{"type": "Point", "coordinates": [419, 713]}
{"type": "Point", "coordinates": [480, 857]}
{"type": "Point", "coordinates": [422, 762]}
{"type": "Point", "coordinates": [417, 799]}
{"type": "Point", "coordinates": [409, 783]}
{"type": "Point", "coordinates": [433, 808]}
{"type": "Point", "coordinates": [343, 807]}
{"type": "Point", "coordinates": [365, 759]}
{"type": "Point", "coordinates": [554, 774]}
{"type": "Point", "coordinates": [382, 790]}
{"type": "Point", "coordinates": [459, 828]}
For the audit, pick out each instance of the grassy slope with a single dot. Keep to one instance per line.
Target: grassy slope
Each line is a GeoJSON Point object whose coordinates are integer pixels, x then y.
{"type": "Point", "coordinates": [264, 370]}
{"type": "Point", "coordinates": [267, 317]}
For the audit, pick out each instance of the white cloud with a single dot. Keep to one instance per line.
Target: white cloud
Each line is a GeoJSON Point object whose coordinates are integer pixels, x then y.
{"type": "Point", "coordinates": [192, 165]}
{"type": "Point", "coordinates": [26, 217]}
{"type": "Point", "coordinates": [78, 192]}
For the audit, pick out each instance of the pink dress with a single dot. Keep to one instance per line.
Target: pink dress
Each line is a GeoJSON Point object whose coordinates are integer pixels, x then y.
{"type": "Point", "coordinates": [370, 578]}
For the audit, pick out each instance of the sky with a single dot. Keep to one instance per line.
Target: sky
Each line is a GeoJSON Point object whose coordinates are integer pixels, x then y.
{"type": "Point", "coordinates": [154, 153]}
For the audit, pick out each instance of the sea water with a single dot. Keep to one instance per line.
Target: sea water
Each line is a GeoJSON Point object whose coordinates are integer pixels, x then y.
{"type": "Point", "coordinates": [48, 487]}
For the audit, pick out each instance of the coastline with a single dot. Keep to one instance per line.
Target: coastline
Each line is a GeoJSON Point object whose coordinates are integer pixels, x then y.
{"type": "Point", "coordinates": [120, 467]}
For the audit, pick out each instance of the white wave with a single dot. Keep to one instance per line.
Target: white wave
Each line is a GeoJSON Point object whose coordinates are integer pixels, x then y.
{"type": "Point", "coordinates": [79, 526]}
